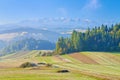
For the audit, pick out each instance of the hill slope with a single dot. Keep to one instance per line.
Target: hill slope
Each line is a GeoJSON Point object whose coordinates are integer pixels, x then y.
{"type": "Point", "coordinates": [99, 65]}
{"type": "Point", "coordinates": [28, 44]}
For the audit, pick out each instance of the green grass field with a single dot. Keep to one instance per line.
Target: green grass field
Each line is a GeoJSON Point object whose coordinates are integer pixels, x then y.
{"type": "Point", "coordinates": [82, 66]}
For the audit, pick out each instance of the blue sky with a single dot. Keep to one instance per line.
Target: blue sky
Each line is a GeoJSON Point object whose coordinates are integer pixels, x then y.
{"type": "Point", "coordinates": [101, 11]}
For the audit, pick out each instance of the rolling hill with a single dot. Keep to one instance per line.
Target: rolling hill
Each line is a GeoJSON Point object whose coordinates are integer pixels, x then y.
{"type": "Point", "coordinates": [28, 44]}
{"type": "Point", "coordinates": [91, 65]}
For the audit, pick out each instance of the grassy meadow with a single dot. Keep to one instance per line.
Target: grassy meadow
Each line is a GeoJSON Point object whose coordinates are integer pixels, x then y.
{"type": "Point", "coordinates": [82, 66]}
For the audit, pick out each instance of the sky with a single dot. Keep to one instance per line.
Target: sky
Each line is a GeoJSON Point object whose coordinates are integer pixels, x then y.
{"type": "Point", "coordinates": [100, 11]}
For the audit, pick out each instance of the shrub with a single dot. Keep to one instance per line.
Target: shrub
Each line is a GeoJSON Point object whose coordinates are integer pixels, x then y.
{"type": "Point", "coordinates": [41, 63]}
{"type": "Point", "coordinates": [27, 64]}
{"type": "Point", "coordinates": [63, 71]}
{"type": "Point", "coordinates": [49, 65]}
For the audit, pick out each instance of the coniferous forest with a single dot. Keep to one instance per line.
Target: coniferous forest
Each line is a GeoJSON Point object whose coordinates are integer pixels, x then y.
{"type": "Point", "coordinates": [101, 38]}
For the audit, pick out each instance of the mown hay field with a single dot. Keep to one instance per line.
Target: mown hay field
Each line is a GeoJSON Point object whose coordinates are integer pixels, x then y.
{"type": "Point", "coordinates": [82, 66]}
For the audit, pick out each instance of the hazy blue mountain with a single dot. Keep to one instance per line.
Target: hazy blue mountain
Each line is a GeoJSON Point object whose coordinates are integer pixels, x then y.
{"type": "Point", "coordinates": [26, 38]}
{"type": "Point", "coordinates": [28, 44]}
{"type": "Point", "coordinates": [2, 44]}
{"type": "Point", "coordinates": [49, 30]}
{"type": "Point", "coordinates": [26, 32]}
{"type": "Point", "coordinates": [59, 25]}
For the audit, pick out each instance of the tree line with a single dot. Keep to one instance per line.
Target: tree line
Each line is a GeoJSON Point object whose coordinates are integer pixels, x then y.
{"type": "Point", "coordinates": [101, 38]}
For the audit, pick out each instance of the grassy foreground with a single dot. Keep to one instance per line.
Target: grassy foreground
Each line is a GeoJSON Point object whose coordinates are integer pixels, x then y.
{"type": "Point", "coordinates": [82, 66]}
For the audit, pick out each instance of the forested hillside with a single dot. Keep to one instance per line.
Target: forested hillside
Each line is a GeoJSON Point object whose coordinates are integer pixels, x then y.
{"type": "Point", "coordinates": [101, 38]}
{"type": "Point", "coordinates": [29, 44]}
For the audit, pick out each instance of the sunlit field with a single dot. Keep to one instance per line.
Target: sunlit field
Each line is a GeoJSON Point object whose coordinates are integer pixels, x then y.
{"type": "Point", "coordinates": [93, 66]}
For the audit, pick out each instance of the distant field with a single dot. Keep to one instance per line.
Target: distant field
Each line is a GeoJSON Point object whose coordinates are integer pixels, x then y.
{"type": "Point", "coordinates": [82, 66]}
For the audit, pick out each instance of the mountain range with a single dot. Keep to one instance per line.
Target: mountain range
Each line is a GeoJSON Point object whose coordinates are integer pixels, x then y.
{"type": "Point", "coordinates": [30, 38]}
{"type": "Point", "coordinates": [44, 30]}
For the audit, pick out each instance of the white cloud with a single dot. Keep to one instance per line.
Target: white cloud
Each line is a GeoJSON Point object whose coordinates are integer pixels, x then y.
{"type": "Point", "coordinates": [23, 33]}
{"type": "Point", "coordinates": [8, 36]}
{"type": "Point", "coordinates": [91, 5]}
{"type": "Point", "coordinates": [87, 20]}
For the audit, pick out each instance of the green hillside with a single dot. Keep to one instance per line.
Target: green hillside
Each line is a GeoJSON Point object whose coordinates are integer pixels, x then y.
{"type": "Point", "coordinates": [82, 66]}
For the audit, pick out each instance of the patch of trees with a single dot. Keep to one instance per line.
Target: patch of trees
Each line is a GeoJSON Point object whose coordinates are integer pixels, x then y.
{"type": "Point", "coordinates": [45, 53]}
{"type": "Point", "coordinates": [101, 38]}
